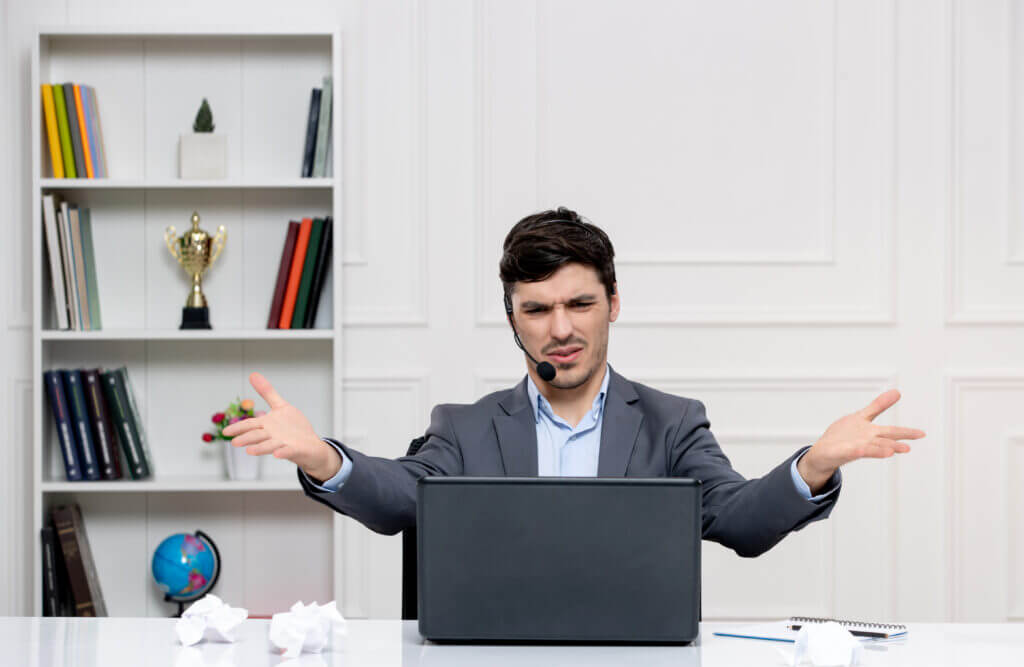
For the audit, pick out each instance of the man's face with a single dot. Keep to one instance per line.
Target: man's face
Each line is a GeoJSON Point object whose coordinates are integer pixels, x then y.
{"type": "Point", "coordinates": [564, 320]}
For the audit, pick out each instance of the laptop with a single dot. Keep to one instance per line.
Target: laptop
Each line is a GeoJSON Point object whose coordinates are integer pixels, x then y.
{"type": "Point", "coordinates": [556, 559]}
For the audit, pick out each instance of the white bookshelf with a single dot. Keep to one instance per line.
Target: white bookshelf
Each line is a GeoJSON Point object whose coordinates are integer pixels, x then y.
{"type": "Point", "coordinates": [149, 84]}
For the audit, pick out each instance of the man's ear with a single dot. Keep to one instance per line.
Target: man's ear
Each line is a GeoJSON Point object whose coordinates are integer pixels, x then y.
{"type": "Point", "coordinates": [614, 303]}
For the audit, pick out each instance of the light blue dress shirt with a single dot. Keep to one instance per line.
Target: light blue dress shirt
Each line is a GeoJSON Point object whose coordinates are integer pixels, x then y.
{"type": "Point", "coordinates": [564, 450]}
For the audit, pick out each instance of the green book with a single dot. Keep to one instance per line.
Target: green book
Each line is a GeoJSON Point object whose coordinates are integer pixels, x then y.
{"type": "Point", "coordinates": [116, 393]}
{"type": "Point", "coordinates": [306, 283]}
{"type": "Point", "coordinates": [89, 259]}
{"type": "Point", "coordinates": [67, 153]}
{"type": "Point", "coordinates": [323, 130]}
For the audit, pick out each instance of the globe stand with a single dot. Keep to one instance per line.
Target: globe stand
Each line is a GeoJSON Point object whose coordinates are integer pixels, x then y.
{"type": "Point", "coordinates": [213, 579]}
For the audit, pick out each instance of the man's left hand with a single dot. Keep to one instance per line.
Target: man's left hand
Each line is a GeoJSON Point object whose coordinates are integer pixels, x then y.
{"type": "Point", "coordinates": [855, 437]}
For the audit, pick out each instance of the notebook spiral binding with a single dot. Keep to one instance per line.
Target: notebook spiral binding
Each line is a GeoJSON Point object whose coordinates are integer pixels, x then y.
{"type": "Point", "coordinates": [880, 626]}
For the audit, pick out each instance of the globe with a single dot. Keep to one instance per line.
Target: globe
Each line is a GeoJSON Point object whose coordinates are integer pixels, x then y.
{"type": "Point", "coordinates": [186, 566]}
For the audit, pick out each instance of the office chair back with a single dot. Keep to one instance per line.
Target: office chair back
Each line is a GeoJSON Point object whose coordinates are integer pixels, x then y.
{"type": "Point", "coordinates": [409, 580]}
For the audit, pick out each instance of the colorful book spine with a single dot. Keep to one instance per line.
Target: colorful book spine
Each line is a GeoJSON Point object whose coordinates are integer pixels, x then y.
{"type": "Point", "coordinates": [74, 542]}
{"type": "Point", "coordinates": [80, 424]}
{"type": "Point", "coordinates": [283, 269]}
{"type": "Point", "coordinates": [64, 130]}
{"type": "Point", "coordinates": [102, 428]}
{"type": "Point", "coordinates": [322, 130]}
{"type": "Point", "coordinates": [56, 264]}
{"type": "Point", "coordinates": [311, 125]}
{"type": "Point", "coordinates": [62, 420]}
{"type": "Point", "coordinates": [295, 274]}
{"type": "Point", "coordinates": [52, 133]}
{"type": "Point", "coordinates": [90, 131]}
{"type": "Point", "coordinates": [89, 259]}
{"type": "Point", "coordinates": [83, 131]}
{"type": "Point", "coordinates": [323, 261]}
{"type": "Point", "coordinates": [306, 282]}
{"type": "Point", "coordinates": [120, 415]}
{"type": "Point", "coordinates": [76, 137]}
{"type": "Point", "coordinates": [101, 151]}
{"type": "Point", "coordinates": [70, 280]}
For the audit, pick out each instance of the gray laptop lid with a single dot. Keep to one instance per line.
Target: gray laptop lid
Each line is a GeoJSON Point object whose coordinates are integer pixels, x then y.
{"type": "Point", "coordinates": [559, 559]}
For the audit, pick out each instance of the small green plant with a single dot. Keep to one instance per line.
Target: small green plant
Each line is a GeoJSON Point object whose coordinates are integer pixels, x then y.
{"type": "Point", "coordinates": [204, 119]}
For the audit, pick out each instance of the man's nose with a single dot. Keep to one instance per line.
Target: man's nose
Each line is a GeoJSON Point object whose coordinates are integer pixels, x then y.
{"type": "Point", "coordinates": [561, 324]}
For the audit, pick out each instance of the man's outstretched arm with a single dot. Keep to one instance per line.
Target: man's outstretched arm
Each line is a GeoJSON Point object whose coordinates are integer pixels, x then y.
{"type": "Point", "coordinates": [379, 492]}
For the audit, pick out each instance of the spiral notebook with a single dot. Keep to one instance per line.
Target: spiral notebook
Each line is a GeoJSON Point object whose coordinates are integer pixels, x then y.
{"type": "Point", "coordinates": [786, 631]}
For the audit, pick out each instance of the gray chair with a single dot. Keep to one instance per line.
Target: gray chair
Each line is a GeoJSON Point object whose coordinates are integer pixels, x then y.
{"type": "Point", "coordinates": [410, 611]}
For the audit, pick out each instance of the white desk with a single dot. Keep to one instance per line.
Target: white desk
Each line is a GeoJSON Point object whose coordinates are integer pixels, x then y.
{"type": "Point", "coordinates": [42, 642]}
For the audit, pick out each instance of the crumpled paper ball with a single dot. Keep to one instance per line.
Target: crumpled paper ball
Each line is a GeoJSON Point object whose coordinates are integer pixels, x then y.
{"type": "Point", "coordinates": [306, 628]}
{"type": "Point", "coordinates": [209, 617]}
{"type": "Point", "coordinates": [827, 645]}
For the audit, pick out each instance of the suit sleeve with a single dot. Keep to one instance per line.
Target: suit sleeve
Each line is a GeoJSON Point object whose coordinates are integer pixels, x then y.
{"type": "Point", "coordinates": [749, 516]}
{"type": "Point", "coordinates": [381, 493]}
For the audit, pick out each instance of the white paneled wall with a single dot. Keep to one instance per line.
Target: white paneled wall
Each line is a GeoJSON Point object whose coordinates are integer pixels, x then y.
{"type": "Point", "coordinates": [812, 201]}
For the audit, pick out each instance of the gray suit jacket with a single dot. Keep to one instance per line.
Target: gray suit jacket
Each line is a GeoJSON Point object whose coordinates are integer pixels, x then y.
{"type": "Point", "coordinates": [645, 433]}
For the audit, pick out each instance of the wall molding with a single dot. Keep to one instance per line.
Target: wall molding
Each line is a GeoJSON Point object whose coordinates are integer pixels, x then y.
{"type": "Point", "coordinates": [487, 310]}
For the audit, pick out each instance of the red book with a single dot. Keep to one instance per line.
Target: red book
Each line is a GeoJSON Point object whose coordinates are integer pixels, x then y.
{"type": "Point", "coordinates": [295, 274]}
{"type": "Point", "coordinates": [283, 271]}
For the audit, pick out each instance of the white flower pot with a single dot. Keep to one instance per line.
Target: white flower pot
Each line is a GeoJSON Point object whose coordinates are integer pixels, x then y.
{"type": "Point", "coordinates": [240, 465]}
{"type": "Point", "coordinates": [202, 155]}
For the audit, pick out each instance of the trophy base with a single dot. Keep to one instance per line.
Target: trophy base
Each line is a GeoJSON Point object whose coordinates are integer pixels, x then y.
{"type": "Point", "coordinates": [195, 318]}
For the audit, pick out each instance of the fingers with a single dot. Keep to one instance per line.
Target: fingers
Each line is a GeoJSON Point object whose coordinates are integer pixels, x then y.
{"type": "Point", "coordinates": [266, 390]}
{"type": "Point", "coordinates": [243, 426]}
{"type": "Point", "coordinates": [883, 402]}
{"type": "Point", "coordinates": [880, 448]}
{"type": "Point", "coordinates": [250, 438]}
{"type": "Point", "coordinates": [900, 433]}
{"type": "Point", "coordinates": [265, 447]}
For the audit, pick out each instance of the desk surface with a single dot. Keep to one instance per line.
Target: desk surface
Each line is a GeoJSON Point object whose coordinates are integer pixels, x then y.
{"type": "Point", "coordinates": [42, 642]}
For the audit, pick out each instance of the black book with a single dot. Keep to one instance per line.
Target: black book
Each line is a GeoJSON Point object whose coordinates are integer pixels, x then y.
{"type": "Point", "coordinates": [62, 420]}
{"type": "Point", "coordinates": [102, 428]}
{"type": "Point", "coordinates": [323, 260]}
{"type": "Point", "coordinates": [311, 125]}
{"type": "Point", "coordinates": [127, 430]}
{"type": "Point", "coordinates": [51, 597]}
{"type": "Point", "coordinates": [80, 423]}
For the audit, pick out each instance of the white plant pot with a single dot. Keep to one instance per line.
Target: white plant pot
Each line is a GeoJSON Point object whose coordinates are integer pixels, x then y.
{"type": "Point", "coordinates": [202, 155]}
{"type": "Point", "coordinates": [240, 465]}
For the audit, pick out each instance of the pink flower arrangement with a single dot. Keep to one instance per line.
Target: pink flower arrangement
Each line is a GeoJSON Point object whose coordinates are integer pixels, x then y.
{"type": "Point", "coordinates": [235, 412]}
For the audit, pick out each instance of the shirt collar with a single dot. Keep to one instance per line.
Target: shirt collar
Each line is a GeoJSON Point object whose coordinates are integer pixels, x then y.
{"type": "Point", "coordinates": [537, 400]}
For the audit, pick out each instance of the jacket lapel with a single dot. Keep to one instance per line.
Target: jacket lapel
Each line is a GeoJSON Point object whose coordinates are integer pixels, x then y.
{"type": "Point", "coordinates": [620, 427]}
{"type": "Point", "coordinates": [517, 434]}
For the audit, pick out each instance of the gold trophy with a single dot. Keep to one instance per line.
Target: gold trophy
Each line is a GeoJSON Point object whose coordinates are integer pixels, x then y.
{"type": "Point", "coordinates": [196, 252]}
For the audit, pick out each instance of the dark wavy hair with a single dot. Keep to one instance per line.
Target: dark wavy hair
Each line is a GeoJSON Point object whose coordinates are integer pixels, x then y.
{"type": "Point", "coordinates": [540, 244]}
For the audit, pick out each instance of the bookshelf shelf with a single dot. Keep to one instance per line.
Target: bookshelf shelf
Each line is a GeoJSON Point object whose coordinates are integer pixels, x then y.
{"type": "Point", "coordinates": [190, 334]}
{"type": "Point", "coordinates": [178, 184]}
{"type": "Point", "coordinates": [171, 485]}
{"type": "Point", "coordinates": [148, 84]}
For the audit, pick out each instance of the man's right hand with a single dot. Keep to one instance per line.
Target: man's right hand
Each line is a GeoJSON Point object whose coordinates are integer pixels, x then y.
{"type": "Point", "coordinates": [285, 433]}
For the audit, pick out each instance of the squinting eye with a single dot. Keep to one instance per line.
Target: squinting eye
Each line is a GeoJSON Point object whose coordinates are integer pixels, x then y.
{"type": "Point", "coordinates": [582, 305]}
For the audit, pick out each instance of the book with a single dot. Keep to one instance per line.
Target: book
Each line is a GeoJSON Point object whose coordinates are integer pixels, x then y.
{"type": "Point", "coordinates": [51, 596]}
{"type": "Point", "coordinates": [85, 584]}
{"type": "Point", "coordinates": [83, 132]}
{"type": "Point", "coordinates": [89, 258]}
{"type": "Point", "coordinates": [76, 137]}
{"type": "Point", "coordinates": [64, 132]}
{"type": "Point", "coordinates": [80, 423]}
{"type": "Point", "coordinates": [306, 281]}
{"type": "Point", "coordinates": [79, 263]}
{"type": "Point", "coordinates": [323, 260]}
{"type": "Point", "coordinates": [52, 133]}
{"type": "Point", "coordinates": [90, 131]}
{"type": "Point", "coordinates": [311, 125]}
{"type": "Point", "coordinates": [94, 106]}
{"type": "Point", "coordinates": [787, 631]}
{"type": "Point", "coordinates": [102, 428]}
{"type": "Point", "coordinates": [127, 433]}
{"type": "Point", "coordinates": [136, 416]}
{"type": "Point", "coordinates": [71, 285]}
{"type": "Point", "coordinates": [56, 262]}
{"type": "Point", "coordinates": [322, 130]}
{"type": "Point", "coordinates": [295, 274]}
{"type": "Point", "coordinates": [62, 420]}
{"type": "Point", "coordinates": [283, 269]}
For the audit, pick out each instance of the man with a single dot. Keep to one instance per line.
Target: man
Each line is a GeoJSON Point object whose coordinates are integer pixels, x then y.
{"type": "Point", "coordinates": [558, 275]}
